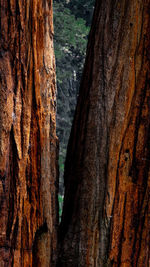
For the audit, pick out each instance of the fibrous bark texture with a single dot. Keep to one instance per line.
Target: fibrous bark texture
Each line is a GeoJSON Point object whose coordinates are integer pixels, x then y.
{"type": "Point", "coordinates": [28, 143]}
{"type": "Point", "coordinates": [106, 216]}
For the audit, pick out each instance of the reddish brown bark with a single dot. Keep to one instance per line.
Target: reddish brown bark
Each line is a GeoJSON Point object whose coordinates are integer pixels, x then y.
{"type": "Point", "coordinates": [106, 213]}
{"type": "Point", "coordinates": [28, 143]}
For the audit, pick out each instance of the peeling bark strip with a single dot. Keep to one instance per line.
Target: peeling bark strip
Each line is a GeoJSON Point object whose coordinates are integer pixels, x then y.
{"type": "Point", "coordinates": [28, 142]}
{"type": "Point", "coordinates": [106, 216]}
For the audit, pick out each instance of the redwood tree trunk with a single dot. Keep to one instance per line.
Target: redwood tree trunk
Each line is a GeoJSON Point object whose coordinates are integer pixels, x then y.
{"type": "Point", "coordinates": [106, 212]}
{"type": "Point", "coordinates": [28, 144]}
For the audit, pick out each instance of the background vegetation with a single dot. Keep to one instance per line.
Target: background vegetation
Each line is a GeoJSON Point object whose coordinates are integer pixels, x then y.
{"type": "Point", "coordinates": [72, 21]}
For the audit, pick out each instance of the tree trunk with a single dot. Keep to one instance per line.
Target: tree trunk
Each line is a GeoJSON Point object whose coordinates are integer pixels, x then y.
{"type": "Point", "coordinates": [106, 212]}
{"type": "Point", "coordinates": [28, 143]}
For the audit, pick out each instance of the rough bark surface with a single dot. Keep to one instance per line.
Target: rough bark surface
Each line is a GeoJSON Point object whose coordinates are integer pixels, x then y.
{"type": "Point", "coordinates": [106, 216]}
{"type": "Point", "coordinates": [28, 143]}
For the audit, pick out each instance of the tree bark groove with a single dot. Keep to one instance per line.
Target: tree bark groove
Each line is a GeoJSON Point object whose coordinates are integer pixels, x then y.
{"type": "Point", "coordinates": [28, 143]}
{"type": "Point", "coordinates": [105, 220]}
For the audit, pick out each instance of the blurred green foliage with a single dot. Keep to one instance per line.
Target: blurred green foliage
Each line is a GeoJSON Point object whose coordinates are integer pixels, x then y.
{"type": "Point", "coordinates": [61, 163]}
{"type": "Point", "coordinates": [60, 200]}
{"type": "Point", "coordinates": [71, 28]}
{"type": "Point", "coordinates": [70, 43]}
{"type": "Point", "coordinates": [82, 9]}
